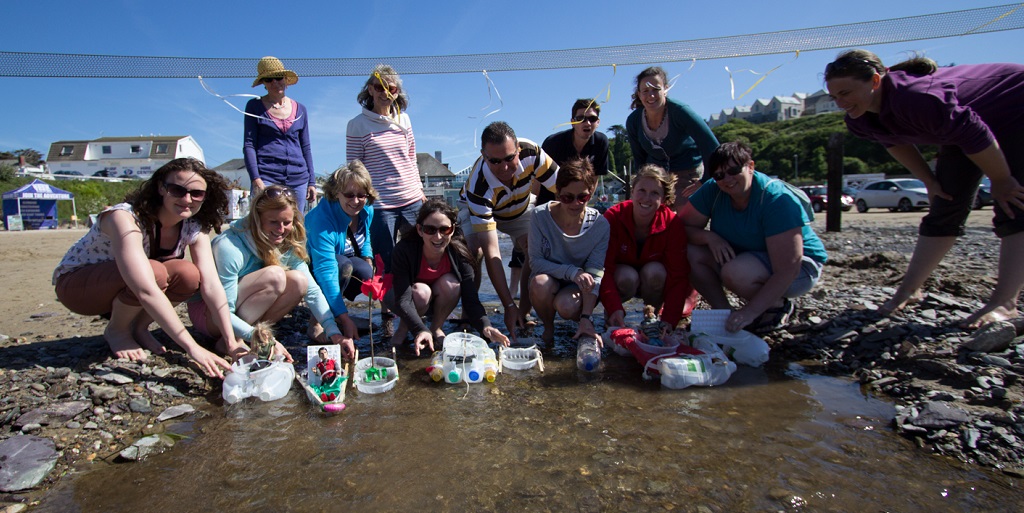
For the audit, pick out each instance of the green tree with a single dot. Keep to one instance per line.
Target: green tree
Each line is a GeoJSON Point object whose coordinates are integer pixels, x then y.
{"type": "Point", "coordinates": [620, 155]}
{"type": "Point", "coordinates": [32, 157]}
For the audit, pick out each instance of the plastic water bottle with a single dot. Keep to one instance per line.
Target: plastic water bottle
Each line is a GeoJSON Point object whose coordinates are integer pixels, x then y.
{"type": "Point", "coordinates": [436, 367]}
{"type": "Point", "coordinates": [490, 369]}
{"type": "Point", "coordinates": [588, 356]}
{"type": "Point", "coordinates": [234, 386]}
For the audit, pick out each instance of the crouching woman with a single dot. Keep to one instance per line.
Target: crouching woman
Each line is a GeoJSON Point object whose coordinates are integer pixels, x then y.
{"type": "Point", "coordinates": [131, 264]}
{"type": "Point", "coordinates": [261, 262]}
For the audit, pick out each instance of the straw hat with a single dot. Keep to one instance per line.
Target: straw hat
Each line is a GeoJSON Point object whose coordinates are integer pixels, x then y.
{"type": "Point", "coordinates": [271, 67]}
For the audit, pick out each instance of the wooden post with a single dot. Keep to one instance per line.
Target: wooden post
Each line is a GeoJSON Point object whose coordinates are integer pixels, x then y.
{"type": "Point", "coordinates": [833, 217]}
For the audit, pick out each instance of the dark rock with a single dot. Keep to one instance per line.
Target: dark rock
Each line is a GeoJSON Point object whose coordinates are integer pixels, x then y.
{"type": "Point", "coordinates": [992, 337]}
{"type": "Point", "coordinates": [938, 415]}
{"type": "Point", "coordinates": [53, 413]}
{"type": "Point", "coordinates": [25, 461]}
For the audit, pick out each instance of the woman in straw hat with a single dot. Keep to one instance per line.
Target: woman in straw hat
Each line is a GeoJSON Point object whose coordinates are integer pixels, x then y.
{"type": "Point", "coordinates": [276, 142]}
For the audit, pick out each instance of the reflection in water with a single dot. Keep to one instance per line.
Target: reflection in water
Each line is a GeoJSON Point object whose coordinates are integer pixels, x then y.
{"type": "Point", "coordinates": [768, 440]}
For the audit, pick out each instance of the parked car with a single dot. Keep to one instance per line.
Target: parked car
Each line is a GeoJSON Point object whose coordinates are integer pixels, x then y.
{"type": "Point", "coordinates": [984, 196]}
{"type": "Point", "coordinates": [819, 197]}
{"type": "Point", "coordinates": [896, 194]}
{"type": "Point", "coordinates": [68, 174]}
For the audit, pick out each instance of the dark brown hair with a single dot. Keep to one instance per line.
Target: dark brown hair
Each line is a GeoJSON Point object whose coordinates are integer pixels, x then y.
{"type": "Point", "coordinates": [458, 241]}
{"type": "Point", "coordinates": [653, 71]}
{"type": "Point", "coordinates": [736, 151]}
{"type": "Point", "coordinates": [146, 200]}
{"type": "Point", "coordinates": [585, 103]}
{"type": "Point", "coordinates": [576, 170]}
{"type": "Point", "coordinates": [863, 64]}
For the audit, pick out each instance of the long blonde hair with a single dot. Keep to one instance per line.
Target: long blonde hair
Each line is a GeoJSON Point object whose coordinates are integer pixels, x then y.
{"type": "Point", "coordinates": [272, 198]}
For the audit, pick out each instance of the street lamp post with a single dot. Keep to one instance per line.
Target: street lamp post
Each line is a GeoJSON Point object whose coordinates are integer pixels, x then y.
{"type": "Point", "coordinates": [796, 168]}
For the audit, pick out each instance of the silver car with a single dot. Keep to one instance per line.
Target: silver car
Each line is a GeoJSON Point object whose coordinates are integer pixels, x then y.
{"type": "Point", "coordinates": [896, 194]}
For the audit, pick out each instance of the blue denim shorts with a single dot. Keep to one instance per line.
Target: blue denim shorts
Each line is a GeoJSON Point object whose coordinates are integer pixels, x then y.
{"type": "Point", "coordinates": [810, 272]}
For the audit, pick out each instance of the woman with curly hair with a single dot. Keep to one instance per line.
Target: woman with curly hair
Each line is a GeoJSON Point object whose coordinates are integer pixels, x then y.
{"type": "Point", "coordinates": [130, 266]}
{"type": "Point", "coordinates": [261, 262]}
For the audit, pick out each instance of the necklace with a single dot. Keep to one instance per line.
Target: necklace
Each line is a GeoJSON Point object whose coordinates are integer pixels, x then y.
{"type": "Point", "coordinates": [280, 105]}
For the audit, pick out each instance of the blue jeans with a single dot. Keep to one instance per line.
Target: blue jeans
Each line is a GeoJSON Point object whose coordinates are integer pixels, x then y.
{"type": "Point", "coordinates": [352, 267]}
{"type": "Point", "coordinates": [386, 228]}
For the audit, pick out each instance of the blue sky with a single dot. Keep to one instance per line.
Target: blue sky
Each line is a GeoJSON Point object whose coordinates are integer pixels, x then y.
{"type": "Point", "coordinates": [446, 110]}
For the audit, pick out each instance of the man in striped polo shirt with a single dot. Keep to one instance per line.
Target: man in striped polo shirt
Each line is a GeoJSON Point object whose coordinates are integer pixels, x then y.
{"type": "Point", "coordinates": [499, 195]}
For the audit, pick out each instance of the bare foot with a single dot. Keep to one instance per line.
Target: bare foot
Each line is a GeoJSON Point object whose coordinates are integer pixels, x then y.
{"type": "Point", "coordinates": [146, 339]}
{"type": "Point", "coordinates": [896, 304]}
{"type": "Point", "coordinates": [123, 345]}
{"type": "Point", "coordinates": [989, 314]}
{"type": "Point", "coordinates": [548, 337]}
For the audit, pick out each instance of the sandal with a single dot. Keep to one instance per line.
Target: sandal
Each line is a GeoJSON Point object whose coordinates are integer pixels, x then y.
{"type": "Point", "coordinates": [773, 318]}
{"type": "Point", "coordinates": [387, 325]}
{"type": "Point", "coordinates": [315, 332]}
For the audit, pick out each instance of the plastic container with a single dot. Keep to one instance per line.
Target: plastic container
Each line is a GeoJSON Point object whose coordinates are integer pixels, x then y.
{"type": "Point", "coordinates": [385, 375]}
{"type": "Point", "coordinates": [467, 358]}
{"type": "Point", "coordinates": [743, 346]}
{"type": "Point", "coordinates": [269, 381]}
{"type": "Point", "coordinates": [695, 370]}
{"type": "Point", "coordinates": [490, 369]}
{"type": "Point", "coordinates": [520, 358]}
{"type": "Point", "coordinates": [588, 355]}
{"type": "Point", "coordinates": [436, 367]}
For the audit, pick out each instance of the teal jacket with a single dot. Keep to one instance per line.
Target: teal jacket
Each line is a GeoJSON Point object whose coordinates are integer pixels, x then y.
{"type": "Point", "coordinates": [235, 254]}
{"type": "Point", "coordinates": [326, 238]}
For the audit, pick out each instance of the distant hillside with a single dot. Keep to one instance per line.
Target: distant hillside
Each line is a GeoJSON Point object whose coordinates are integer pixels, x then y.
{"type": "Point", "coordinates": [775, 145]}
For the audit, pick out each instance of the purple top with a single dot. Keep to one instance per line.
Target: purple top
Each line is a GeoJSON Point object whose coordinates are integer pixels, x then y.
{"type": "Point", "coordinates": [280, 157]}
{"type": "Point", "coordinates": [966, 106]}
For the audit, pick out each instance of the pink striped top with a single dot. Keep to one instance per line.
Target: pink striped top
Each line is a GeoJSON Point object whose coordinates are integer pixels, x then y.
{"type": "Point", "coordinates": [388, 150]}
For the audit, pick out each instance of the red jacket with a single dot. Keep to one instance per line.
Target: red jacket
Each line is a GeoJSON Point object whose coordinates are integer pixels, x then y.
{"type": "Point", "coordinates": [666, 244]}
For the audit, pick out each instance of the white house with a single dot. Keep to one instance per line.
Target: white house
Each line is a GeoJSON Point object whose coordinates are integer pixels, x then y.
{"type": "Point", "coordinates": [131, 157]}
{"type": "Point", "coordinates": [234, 171]}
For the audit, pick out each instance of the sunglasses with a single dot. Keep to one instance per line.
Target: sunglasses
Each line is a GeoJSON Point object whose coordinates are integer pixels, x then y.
{"type": "Point", "coordinates": [497, 161]}
{"type": "Point", "coordinates": [732, 171]}
{"type": "Point", "coordinates": [380, 89]}
{"type": "Point", "coordinates": [351, 195]}
{"type": "Point", "coordinates": [179, 192]}
{"type": "Point", "coordinates": [569, 198]}
{"type": "Point", "coordinates": [591, 119]}
{"type": "Point", "coordinates": [434, 230]}
{"type": "Point", "coordinates": [277, 192]}
{"type": "Point", "coordinates": [267, 80]}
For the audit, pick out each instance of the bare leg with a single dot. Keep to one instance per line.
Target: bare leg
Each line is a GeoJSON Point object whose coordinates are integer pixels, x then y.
{"type": "Point", "coordinates": [1003, 303]}
{"type": "Point", "coordinates": [118, 332]}
{"type": "Point", "coordinates": [421, 295]}
{"type": "Point", "coordinates": [446, 293]}
{"type": "Point", "coordinates": [705, 276]}
{"type": "Point", "coordinates": [928, 252]}
{"type": "Point", "coordinates": [525, 303]}
{"type": "Point", "coordinates": [142, 335]}
{"type": "Point", "coordinates": [652, 284]}
{"type": "Point", "coordinates": [543, 289]}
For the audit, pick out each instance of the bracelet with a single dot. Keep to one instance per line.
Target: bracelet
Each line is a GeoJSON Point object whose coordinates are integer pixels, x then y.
{"type": "Point", "coordinates": [587, 317]}
{"type": "Point", "coordinates": [513, 303]}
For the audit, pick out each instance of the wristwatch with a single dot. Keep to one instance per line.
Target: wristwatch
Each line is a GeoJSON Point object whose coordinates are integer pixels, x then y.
{"type": "Point", "coordinates": [587, 317]}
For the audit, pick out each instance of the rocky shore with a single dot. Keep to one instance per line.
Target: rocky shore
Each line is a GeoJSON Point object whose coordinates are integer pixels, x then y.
{"type": "Point", "coordinates": [67, 404]}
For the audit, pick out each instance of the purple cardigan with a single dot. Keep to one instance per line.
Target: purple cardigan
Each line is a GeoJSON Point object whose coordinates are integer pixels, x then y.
{"type": "Point", "coordinates": [276, 157]}
{"type": "Point", "coordinates": [967, 106]}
